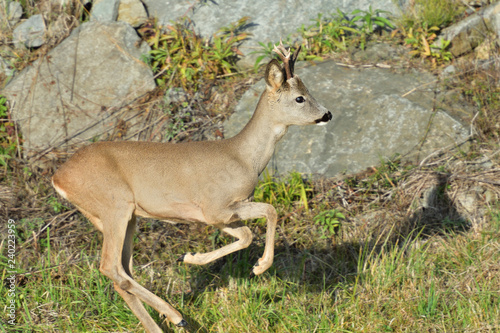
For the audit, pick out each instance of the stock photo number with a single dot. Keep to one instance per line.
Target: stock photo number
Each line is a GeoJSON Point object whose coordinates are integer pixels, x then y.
{"type": "Point", "coordinates": [11, 272]}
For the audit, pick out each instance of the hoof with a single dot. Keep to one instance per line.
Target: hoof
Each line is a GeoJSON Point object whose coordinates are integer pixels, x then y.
{"type": "Point", "coordinates": [181, 258]}
{"type": "Point", "coordinates": [182, 323]}
{"type": "Point", "coordinates": [252, 273]}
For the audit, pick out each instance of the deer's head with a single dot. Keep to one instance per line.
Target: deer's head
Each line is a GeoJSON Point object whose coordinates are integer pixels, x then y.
{"type": "Point", "coordinates": [288, 97]}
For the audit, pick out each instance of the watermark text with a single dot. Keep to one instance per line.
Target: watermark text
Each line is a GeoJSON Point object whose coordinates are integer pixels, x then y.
{"type": "Point", "coordinates": [11, 272]}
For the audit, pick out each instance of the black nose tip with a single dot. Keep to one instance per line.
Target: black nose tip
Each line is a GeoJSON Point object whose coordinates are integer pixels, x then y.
{"type": "Point", "coordinates": [326, 118]}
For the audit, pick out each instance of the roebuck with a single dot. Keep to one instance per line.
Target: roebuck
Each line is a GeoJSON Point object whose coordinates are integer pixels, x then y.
{"type": "Point", "coordinates": [210, 182]}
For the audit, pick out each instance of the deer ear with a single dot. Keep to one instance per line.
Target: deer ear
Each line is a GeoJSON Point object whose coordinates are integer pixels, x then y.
{"type": "Point", "coordinates": [274, 75]}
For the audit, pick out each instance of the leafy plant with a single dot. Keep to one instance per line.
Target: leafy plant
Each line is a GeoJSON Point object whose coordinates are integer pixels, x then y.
{"type": "Point", "coordinates": [419, 39]}
{"type": "Point", "coordinates": [440, 52]}
{"type": "Point", "coordinates": [332, 33]}
{"type": "Point", "coordinates": [180, 57]}
{"type": "Point", "coordinates": [329, 222]}
{"type": "Point", "coordinates": [421, 24]}
{"type": "Point", "coordinates": [423, 42]}
{"type": "Point", "coordinates": [371, 17]}
{"type": "Point", "coordinates": [328, 35]}
{"type": "Point", "coordinates": [57, 206]}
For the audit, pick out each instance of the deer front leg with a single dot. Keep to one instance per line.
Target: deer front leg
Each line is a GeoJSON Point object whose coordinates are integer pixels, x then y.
{"type": "Point", "coordinates": [235, 229]}
{"type": "Point", "coordinates": [254, 210]}
{"type": "Point", "coordinates": [237, 212]}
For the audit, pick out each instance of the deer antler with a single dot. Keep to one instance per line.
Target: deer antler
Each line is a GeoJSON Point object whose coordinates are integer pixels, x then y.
{"type": "Point", "coordinates": [288, 62]}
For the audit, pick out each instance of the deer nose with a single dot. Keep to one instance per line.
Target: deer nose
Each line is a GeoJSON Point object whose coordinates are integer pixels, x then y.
{"type": "Point", "coordinates": [326, 118]}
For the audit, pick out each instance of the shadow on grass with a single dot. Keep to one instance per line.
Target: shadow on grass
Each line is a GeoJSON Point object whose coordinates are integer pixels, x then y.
{"type": "Point", "coordinates": [438, 213]}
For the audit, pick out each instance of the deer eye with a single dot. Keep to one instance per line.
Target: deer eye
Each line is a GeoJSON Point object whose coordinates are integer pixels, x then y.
{"type": "Point", "coordinates": [300, 99]}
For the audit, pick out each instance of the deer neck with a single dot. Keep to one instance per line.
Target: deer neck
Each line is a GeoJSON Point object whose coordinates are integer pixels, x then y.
{"type": "Point", "coordinates": [256, 141]}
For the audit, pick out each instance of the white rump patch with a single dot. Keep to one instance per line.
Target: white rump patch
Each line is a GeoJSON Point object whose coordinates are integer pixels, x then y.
{"type": "Point", "coordinates": [59, 190]}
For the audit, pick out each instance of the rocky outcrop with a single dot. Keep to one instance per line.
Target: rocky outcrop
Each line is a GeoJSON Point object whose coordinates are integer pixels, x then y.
{"type": "Point", "coordinates": [130, 11]}
{"type": "Point", "coordinates": [479, 30]}
{"type": "Point", "coordinates": [72, 93]}
{"type": "Point", "coordinates": [377, 114]}
{"type": "Point", "coordinates": [268, 20]}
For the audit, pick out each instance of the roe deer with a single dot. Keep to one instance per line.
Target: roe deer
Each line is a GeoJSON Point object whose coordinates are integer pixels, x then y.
{"type": "Point", "coordinates": [210, 182]}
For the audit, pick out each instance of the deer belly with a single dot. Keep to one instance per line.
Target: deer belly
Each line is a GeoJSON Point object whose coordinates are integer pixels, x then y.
{"type": "Point", "coordinates": [176, 211]}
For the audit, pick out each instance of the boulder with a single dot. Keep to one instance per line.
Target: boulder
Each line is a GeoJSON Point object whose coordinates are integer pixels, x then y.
{"type": "Point", "coordinates": [105, 10]}
{"type": "Point", "coordinates": [376, 114]}
{"type": "Point", "coordinates": [132, 12]}
{"type": "Point", "coordinates": [72, 93]}
{"type": "Point", "coordinates": [31, 32]}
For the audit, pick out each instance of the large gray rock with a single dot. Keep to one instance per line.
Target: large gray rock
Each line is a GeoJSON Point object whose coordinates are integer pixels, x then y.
{"type": "Point", "coordinates": [373, 119]}
{"type": "Point", "coordinates": [471, 32]}
{"type": "Point", "coordinates": [269, 20]}
{"type": "Point", "coordinates": [73, 92]}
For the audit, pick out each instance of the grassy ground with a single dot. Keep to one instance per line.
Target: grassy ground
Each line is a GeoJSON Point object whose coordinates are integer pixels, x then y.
{"type": "Point", "coordinates": [404, 247]}
{"type": "Point", "coordinates": [391, 267]}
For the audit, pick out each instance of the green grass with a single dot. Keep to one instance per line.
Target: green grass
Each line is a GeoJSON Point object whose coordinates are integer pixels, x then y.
{"type": "Point", "coordinates": [433, 284]}
{"type": "Point", "coordinates": [432, 13]}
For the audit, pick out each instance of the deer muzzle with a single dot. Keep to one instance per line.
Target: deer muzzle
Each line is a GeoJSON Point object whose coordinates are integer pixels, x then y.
{"type": "Point", "coordinates": [323, 120]}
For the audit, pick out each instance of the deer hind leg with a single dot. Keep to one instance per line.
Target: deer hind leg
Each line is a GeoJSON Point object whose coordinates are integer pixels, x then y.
{"type": "Point", "coordinates": [235, 229]}
{"type": "Point", "coordinates": [243, 211]}
{"type": "Point", "coordinates": [116, 264]}
{"type": "Point", "coordinates": [133, 301]}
